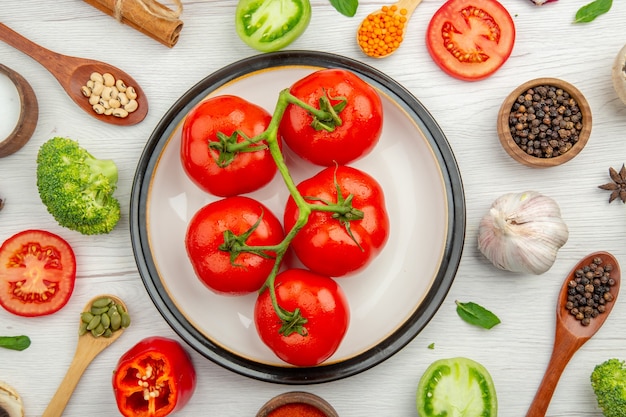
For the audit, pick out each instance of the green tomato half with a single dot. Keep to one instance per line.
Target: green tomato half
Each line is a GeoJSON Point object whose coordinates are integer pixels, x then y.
{"type": "Point", "coordinates": [456, 387]}
{"type": "Point", "coordinates": [270, 25]}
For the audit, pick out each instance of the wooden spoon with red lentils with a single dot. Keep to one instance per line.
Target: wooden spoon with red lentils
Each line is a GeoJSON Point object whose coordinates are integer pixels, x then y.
{"type": "Point", "coordinates": [381, 32]}
{"type": "Point", "coordinates": [585, 301]}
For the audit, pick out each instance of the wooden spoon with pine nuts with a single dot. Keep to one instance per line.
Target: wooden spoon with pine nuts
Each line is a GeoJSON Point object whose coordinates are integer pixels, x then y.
{"type": "Point", "coordinates": [73, 73]}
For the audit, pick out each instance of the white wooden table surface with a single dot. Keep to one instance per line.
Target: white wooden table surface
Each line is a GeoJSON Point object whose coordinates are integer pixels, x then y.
{"type": "Point", "coordinates": [516, 352]}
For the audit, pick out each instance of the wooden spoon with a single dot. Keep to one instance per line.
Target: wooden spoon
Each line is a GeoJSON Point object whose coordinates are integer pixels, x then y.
{"type": "Point", "coordinates": [87, 349]}
{"type": "Point", "coordinates": [72, 73]}
{"type": "Point", "coordinates": [408, 5]}
{"type": "Point", "coordinates": [571, 334]}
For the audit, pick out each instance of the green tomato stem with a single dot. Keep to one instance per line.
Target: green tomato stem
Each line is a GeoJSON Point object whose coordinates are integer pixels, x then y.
{"type": "Point", "coordinates": [293, 321]}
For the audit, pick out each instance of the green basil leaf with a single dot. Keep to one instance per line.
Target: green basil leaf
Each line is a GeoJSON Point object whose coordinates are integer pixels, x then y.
{"type": "Point", "coordinates": [476, 315]}
{"type": "Point", "coordinates": [592, 10]}
{"type": "Point", "coordinates": [14, 342]}
{"type": "Point", "coordinates": [345, 7]}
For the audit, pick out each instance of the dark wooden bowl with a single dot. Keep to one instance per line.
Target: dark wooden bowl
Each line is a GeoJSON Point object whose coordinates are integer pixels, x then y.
{"type": "Point", "coordinates": [517, 153]}
{"type": "Point", "coordinates": [297, 397]}
{"type": "Point", "coordinates": [29, 114]}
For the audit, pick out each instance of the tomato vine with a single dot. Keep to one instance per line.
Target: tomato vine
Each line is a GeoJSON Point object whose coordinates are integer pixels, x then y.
{"type": "Point", "coordinates": [326, 117]}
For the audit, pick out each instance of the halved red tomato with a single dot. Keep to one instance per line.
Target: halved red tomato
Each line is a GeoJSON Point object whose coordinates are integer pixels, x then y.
{"type": "Point", "coordinates": [37, 273]}
{"type": "Point", "coordinates": [470, 39]}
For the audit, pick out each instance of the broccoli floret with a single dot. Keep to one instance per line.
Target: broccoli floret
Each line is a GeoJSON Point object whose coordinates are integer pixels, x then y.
{"type": "Point", "coordinates": [76, 188]}
{"type": "Point", "coordinates": [608, 380]}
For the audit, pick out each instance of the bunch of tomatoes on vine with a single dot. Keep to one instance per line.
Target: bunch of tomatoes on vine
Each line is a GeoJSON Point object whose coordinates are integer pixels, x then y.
{"type": "Point", "coordinates": [335, 222]}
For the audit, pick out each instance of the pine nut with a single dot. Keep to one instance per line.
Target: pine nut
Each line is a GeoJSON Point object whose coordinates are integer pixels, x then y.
{"type": "Point", "coordinates": [121, 86]}
{"type": "Point", "coordinates": [131, 106]}
{"type": "Point", "coordinates": [131, 93]}
{"type": "Point", "coordinates": [97, 88]}
{"type": "Point", "coordinates": [108, 79]}
{"type": "Point", "coordinates": [123, 99]}
{"type": "Point", "coordinates": [109, 96]}
{"type": "Point", "coordinates": [121, 113]}
{"type": "Point", "coordinates": [97, 77]}
{"type": "Point", "coordinates": [106, 93]}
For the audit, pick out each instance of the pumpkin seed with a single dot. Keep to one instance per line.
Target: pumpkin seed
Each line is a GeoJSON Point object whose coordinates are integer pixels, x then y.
{"type": "Point", "coordinates": [82, 329]}
{"type": "Point", "coordinates": [112, 309]}
{"type": "Point", "coordinates": [98, 331]}
{"type": "Point", "coordinates": [120, 308]}
{"type": "Point", "coordinates": [116, 321]}
{"type": "Point", "coordinates": [95, 322]}
{"type": "Point", "coordinates": [104, 317]}
{"type": "Point", "coordinates": [96, 311]}
{"type": "Point", "coordinates": [86, 317]}
{"type": "Point", "coordinates": [105, 321]}
{"type": "Point", "coordinates": [125, 319]}
{"type": "Point", "coordinates": [102, 302]}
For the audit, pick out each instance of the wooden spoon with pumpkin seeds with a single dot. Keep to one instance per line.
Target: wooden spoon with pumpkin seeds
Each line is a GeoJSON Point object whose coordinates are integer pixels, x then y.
{"type": "Point", "coordinates": [91, 342]}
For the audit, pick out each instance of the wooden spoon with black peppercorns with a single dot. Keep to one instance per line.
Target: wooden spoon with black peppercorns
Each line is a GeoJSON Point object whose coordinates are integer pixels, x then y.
{"type": "Point", "coordinates": [572, 328]}
{"type": "Point", "coordinates": [73, 73]}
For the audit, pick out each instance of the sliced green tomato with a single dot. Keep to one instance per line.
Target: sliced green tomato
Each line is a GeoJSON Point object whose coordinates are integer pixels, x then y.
{"type": "Point", "coordinates": [456, 387]}
{"type": "Point", "coordinates": [270, 25]}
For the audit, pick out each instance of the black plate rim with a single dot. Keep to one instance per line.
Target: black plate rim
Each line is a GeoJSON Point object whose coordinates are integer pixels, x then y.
{"type": "Point", "coordinates": [293, 375]}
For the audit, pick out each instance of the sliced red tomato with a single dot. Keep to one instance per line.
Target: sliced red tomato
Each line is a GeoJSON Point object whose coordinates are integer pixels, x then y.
{"type": "Point", "coordinates": [37, 273]}
{"type": "Point", "coordinates": [321, 303]}
{"type": "Point", "coordinates": [470, 39]}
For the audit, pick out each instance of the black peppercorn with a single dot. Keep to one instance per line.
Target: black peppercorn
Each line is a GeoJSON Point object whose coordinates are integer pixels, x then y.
{"type": "Point", "coordinates": [555, 114]}
{"type": "Point", "coordinates": [590, 291]}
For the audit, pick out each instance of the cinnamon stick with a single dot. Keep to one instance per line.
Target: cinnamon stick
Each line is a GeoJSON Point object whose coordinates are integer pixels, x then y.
{"type": "Point", "coordinates": [147, 16]}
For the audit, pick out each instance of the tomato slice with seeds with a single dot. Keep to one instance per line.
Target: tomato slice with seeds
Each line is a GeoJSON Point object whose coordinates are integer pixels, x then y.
{"type": "Point", "coordinates": [456, 386]}
{"type": "Point", "coordinates": [470, 39]}
{"type": "Point", "coordinates": [270, 25]}
{"type": "Point", "coordinates": [37, 273]}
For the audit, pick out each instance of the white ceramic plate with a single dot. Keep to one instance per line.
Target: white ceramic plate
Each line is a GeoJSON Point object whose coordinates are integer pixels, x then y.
{"type": "Point", "coordinates": [391, 301]}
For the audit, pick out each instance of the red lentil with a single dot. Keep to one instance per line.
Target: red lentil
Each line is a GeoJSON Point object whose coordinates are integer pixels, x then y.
{"type": "Point", "coordinates": [296, 410]}
{"type": "Point", "coordinates": [382, 32]}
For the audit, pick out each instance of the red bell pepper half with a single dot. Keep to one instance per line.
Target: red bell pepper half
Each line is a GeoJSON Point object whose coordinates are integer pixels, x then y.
{"type": "Point", "coordinates": [154, 378]}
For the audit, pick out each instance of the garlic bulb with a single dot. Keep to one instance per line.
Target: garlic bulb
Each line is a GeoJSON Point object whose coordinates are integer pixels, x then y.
{"type": "Point", "coordinates": [10, 402]}
{"type": "Point", "coordinates": [619, 74]}
{"type": "Point", "coordinates": [522, 232]}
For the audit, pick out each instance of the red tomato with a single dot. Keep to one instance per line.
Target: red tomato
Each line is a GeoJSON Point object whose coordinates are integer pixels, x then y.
{"type": "Point", "coordinates": [154, 378]}
{"type": "Point", "coordinates": [362, 118]}
{"type": "Point", "coordinates": [470, 39]}
{"type": "Point", "coordinates": [324, 245]}
{"type": "Point", "coordinates": [248, 171]}
{"type": "Point", "coordinates": [246, 271]}
{"type": "Point", "coordinates": [322, 303]}
{"type": "Point", "coordinates": [37, 273]}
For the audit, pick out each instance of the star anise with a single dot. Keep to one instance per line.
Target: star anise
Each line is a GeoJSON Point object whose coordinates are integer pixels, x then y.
{"type": "Point", "coordinates": [618, 186]}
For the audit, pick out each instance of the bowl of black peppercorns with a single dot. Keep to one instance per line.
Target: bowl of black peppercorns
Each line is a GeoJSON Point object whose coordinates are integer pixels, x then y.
{"type": "Point", "coordinates": [544, 122]}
